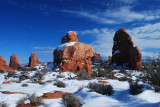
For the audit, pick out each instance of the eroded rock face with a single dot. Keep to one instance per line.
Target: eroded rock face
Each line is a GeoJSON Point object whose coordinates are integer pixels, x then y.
{"type": "Point", "coordinates": [73, 56]}
{"type": "Point", "coordinates": [33, 60]}
{"type": "Point", "coordinates": [14, 63]}
{"type": "Point", "coordinates": [124, 53]}
{"type": "Point", "coordinates": [97, 58]}
{"type": "Point", "coordinates": [70, 37]}
{"type": "Point", "coordinates": [4, 66]}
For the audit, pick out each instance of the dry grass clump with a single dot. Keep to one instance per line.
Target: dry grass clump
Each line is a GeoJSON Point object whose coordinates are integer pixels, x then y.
{"type": "Point", "coordinates": [60, 84]}
{"type": "Point", "coordinates": [83, 75]}
{"type": "Point", "coordinates": [33, 98]}
{"type": "Point", "coordinates": [3, 104]}
{"type": "Point", "coordinates": [69, 100]}
{"type": "Point", "coordinates": [101, 88]}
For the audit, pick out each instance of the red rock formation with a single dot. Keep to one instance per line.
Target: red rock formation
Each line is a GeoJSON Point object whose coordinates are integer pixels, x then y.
{"type": "Point", "coordinates": [70, 37]}
{"type": "Point", "coordinates": [73, 56]}
{"type": "Point", "coordinates": [124, 53]}
{"type": "Point", "coordinates": [97, 58]}
{"type": "Point", "coordinates": [4, 66]}
{"type": "Point", "coordinates": [109, 59]}
{"type": "Point", "coordinates": [14, 63]}
{"type": "Point", "coordinates": [135, 58]}
{"type": "Point", "coordinates": [33, 60]}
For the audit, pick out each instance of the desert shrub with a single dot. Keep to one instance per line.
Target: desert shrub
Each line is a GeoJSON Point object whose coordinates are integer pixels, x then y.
{"type": "Point", "coordinates": [102, 73]}
{"type": "Point", "coordinates": [108, 67]}
{"type": "Point", "coordinates": [11, 74]}
{"type": "Point", "coordinates": [35, 100]}
{"type": "Point", "coordinates": [23, 77]}
{"type": "Point", "coordinates": [151, 69]}
{"type": "Point", "coordinates": [135, 88]}
{"type": "Point", "coordinates": [38, 76]}
{"type": "Point", "coordinates": [105, 73]}
{"type": "Point", "coordinates": [18, 81]}
{"type": "Point", "coordinates": [3, 104]}
{"type": "Point", "coordinates": [49, 81]}
{"type": "Point", "coordinates": [1, 71]}
{"type": "Point", "coordinates": [123, 71]}
{"type": "Point", "coordinates": [43, 71]}
{"type": "Point", "coordinates": [83, 75]}
{"type": "Point", "coordinates": [41, 83]}
{"type": "Point", "coordinates": [101, 88]}
{"type": "Point", "coordinates": [60, 84]}
{"type": "Point", "coordinates": [94, 74]}
{"type": "Point", "coordinates": [60, 76]}
{"type": "Point", "coordinates": [69, 100]}
{"type": "Point", "coordinates": [21, 101]}
{"type": "Point", "coordinates": [123, 78]}
{"type": "Point", "coordinates": [33, 69]}
{"type": "Point", "coordinates": [24, 85]}
{"type": "Point", "coordinates": [80, 88]}
{"type": "Point", "coordinates": [153, 78]}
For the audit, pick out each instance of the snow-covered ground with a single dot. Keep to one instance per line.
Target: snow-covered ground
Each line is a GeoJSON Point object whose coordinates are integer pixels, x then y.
{"type": "Point", "coordinates": [120, 98]}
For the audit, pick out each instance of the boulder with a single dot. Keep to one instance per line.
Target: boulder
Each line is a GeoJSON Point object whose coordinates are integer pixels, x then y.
{"type": "Point", "coordinates": [73, 56]}
{"type": "Point", "coordinates": [97, 58]}
{"type": "Point", "coordinates": [14, 63]}
{"type": "Point", "coordinates": [4, 66]}
{"type": "Point", "coordinates": [124, 52]}
{"type": "Point", "coordinates": [33, 60]}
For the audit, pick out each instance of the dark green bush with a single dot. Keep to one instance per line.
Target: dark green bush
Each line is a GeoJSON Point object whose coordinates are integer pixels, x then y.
{"type": "Point", "coordinates": [135, 88]}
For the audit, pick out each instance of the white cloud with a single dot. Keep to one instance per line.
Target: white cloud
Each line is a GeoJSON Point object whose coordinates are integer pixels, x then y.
{"type": "Point", "coordinates": [118, 15]}
{"type": "Point", "coordinates": [44, 50]}
{"type": "Point", "coordinates": [144, 37]}
{"type": "Point", "coordinates": [95, 17]}
{"type": "Point", "coordinates": [104, 40]}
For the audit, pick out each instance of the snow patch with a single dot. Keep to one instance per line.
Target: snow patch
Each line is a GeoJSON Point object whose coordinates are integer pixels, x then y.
{"type": "Point", "coordinates": [150, 96]}
{"type": "Point", "coordinates": [115, 52]}
{"type": "Point", "coordinates": [64, 45]}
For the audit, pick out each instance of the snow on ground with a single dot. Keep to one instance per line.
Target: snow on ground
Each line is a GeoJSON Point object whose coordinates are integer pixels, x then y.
{"type": "Point", "coordinates": [120, 98]}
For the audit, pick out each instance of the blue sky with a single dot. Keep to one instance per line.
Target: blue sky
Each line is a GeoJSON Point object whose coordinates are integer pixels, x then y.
{"type": "Point", "coordinates": [28, 26]}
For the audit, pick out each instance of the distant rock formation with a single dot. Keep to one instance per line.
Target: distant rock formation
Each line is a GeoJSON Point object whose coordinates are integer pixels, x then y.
{"type": "Point", "coordinates": [124, 53]}
{"type": "Point", "coordinates": [33, 60]}
{"type": "Point", "coordinates": [97, 58]}
{"type": "Point", "coordinates": [4, 66]}
{"type": "Point", "coordinates": [14, 63]}
{"type": "Point", "coordinates": [109, 59]}
{"type": "Point", "coordinates": [73, 56]}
